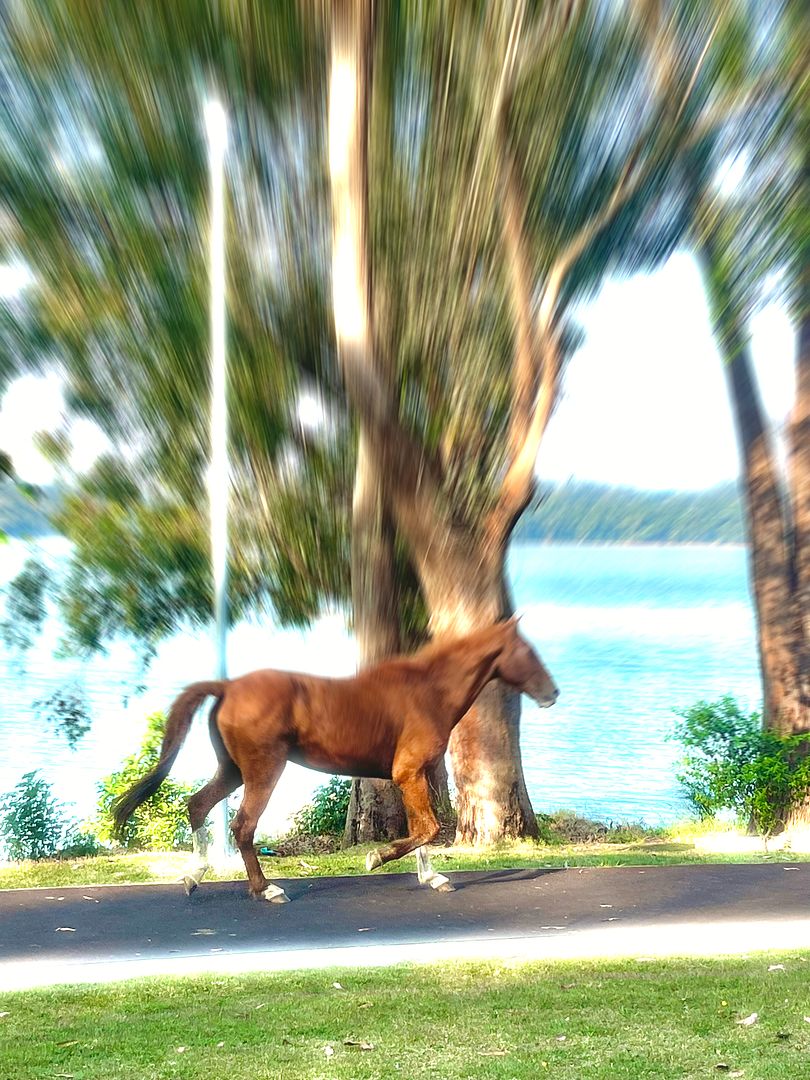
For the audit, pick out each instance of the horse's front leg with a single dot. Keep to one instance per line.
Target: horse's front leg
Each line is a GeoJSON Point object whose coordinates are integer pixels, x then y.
{"type": "Point", "coordinates": [257, 795]}
{"type": "Point", "coordinates": [422, 827]}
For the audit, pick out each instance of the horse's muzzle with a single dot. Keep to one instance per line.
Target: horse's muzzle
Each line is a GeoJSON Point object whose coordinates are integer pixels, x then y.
{"type": "Point", "coordinates": [544, 696]}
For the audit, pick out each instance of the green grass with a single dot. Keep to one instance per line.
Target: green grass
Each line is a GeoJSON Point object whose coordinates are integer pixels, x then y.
{"type": "Point", "coordinates": [576, 1021]}
{"type": "Point", "coordinates": [167, 866]}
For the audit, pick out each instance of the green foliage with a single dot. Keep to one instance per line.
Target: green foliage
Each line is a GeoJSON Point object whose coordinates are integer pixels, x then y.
{"type": "Point", "coordinates": [25, 606]}
{"type": "Point", "coordinates": [80, 843]}
{"type": "Point", "coordinates": [67, 710]}
{"type": "Point", "coordinates": [161, 823]}
{"type": "Point", "coordinates": [326, 814]}
{"type": "Point", "coordinates": [567, 827]}
{"type": "Point", "coordinates": [31, 822]}
{"type": "Point", "coordinates": [732, 763]}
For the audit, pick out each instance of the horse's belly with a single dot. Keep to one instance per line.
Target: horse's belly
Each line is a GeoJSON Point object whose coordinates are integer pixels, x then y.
{"type": "Point", "coordinates": [342, 764]}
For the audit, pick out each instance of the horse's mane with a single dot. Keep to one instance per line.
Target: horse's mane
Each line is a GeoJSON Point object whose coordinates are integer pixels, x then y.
{"type": "Point", "coordinates": [440, 647]}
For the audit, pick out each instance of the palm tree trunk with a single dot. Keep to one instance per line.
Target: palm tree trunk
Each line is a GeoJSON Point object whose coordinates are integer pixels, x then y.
{"type": "Point", "coordinates": [799, 478]}
{"type": "Point", "coordinates": [773, 540]}
{"type": "Point", "coordinates": [769, 551]}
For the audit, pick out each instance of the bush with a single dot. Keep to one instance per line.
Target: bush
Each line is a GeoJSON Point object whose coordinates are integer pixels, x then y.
{"type": "Point", "coordinates": [31, 824]}
{"type": "Point", "coordinates": [567, 827]}
{"type": "Point", "coordinates": [78, 844]}
{"type": "Point", "coordinates": [326, 814]}
{"type": "Point", "coordinates": [161, 823]}
{"type": "Point", "coordinates": [735, 764]}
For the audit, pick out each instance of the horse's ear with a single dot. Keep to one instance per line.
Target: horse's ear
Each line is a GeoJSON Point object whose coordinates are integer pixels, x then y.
{"type": "Point", "coordinates": [514, 620]}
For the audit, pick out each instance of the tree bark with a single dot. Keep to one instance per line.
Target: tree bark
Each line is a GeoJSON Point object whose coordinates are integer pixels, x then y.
{"type": "Point", "coordinates": [465, 588]}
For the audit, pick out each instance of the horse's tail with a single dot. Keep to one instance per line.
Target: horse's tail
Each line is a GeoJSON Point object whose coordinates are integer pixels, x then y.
{"type": "Point", "coordinates": [177, 726]}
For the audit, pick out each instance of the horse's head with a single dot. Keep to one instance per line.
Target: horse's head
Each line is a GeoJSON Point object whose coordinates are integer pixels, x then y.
{"type": "Point", "coordinates": [521, 667]}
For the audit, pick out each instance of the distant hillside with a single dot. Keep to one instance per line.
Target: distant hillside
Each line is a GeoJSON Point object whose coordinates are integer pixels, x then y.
{"type": "Point", "coordinates": [590, 512]}
{"type": "Point", "coordinates": [569, 513]}
{"type": "Point", "coordinates": [21, 516]}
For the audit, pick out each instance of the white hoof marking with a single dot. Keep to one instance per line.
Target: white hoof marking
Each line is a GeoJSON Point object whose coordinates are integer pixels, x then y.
{"type": "Point", "coordinates": [275, 895]}
{"type": "Point", "coordinates": [373, 860]}
{"type": "Point", "coordinates": [427, 875]}
{"type": "Point", "coordinates": [193, 878]}
{"type": "Point", "coordinates": [441, 884]}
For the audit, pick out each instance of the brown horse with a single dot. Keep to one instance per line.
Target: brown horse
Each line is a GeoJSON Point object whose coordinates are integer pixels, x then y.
{"type": "Point", "coordinates": [392, 721]}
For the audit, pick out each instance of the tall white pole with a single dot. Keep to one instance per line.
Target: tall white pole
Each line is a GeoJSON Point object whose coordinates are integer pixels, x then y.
{"type": "Point", "coordinates": [216, 125]}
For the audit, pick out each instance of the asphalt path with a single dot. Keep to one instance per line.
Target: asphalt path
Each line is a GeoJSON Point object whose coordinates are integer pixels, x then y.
{"type": "Point", "coordinates": [88, 934]}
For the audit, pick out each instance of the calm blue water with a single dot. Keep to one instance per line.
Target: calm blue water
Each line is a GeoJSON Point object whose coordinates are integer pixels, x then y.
{"type": "Point", "coordinates": [630, 634]}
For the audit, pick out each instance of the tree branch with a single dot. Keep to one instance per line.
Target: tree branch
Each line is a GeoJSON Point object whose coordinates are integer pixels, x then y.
{"type": "Point", "coordinates": [537, 361]}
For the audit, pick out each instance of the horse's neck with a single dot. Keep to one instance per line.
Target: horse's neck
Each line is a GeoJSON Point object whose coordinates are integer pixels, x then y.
{"type": "Point", "coordinates": [464, 674]}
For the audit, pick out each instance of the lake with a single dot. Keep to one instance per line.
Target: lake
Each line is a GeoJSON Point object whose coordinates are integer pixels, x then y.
{"type": "Point", "coordinates": [630, 633]}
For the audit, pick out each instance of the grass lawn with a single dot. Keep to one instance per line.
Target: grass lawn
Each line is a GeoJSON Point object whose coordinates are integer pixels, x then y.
{"type": "Point", "coordinates": [629, 1019]}
{"type": "Point", "coordinates": [167, 866]}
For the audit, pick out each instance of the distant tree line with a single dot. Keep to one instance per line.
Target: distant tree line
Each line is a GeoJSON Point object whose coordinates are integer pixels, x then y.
{"type": "Point", "coordinates": [602, 514]}
{"type": "Point", "coordinates": [566, 513]}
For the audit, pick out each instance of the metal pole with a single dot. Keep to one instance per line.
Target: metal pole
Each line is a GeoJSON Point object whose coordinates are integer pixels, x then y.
{"type": "Point", "coordinates": [216, 125]}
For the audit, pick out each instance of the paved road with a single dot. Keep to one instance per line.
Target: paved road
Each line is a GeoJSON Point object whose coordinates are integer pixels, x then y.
{"type": "Point", "coordinates": [88, 934]}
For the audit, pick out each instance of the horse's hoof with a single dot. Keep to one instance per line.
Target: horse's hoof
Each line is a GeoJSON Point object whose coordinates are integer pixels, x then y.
{"type": "Point", "coordinates": [373, 860]}
{"type": "Point", "coordinates": [445, 886]}
{"type": "Point", "coordinates": [189, 884]}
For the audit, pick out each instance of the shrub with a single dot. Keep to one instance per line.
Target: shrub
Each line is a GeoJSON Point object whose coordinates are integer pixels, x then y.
{"type": "Point", "coordinates": [161, 823]}
{"type": "Point", "coordinates": [735, 764]}
{"type": "Point", "coordinates": [31, 824]}
{"type": "Point", "coordinates": [567, 827]}
{"type": "Point", "coordinates": [326, 814]}
{"type": "Point", "coordinates": [79, 844]}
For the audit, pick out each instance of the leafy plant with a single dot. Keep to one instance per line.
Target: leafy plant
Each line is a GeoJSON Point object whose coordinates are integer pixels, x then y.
{"type": "Point", "coordinates": [79, 843]}
{"type": "Point", "coordinates": [161, 823]}
{"type": "Point", "coordinates": [31, 824]}
{"type": "Point", "coordinates": [733, 763]}
{"type": "Point", "coordinates": [326, 814]}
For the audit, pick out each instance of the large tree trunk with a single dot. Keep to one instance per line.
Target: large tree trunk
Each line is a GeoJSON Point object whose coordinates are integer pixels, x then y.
{"type": "Point", "coordinates": [375, 810]}
{"type": "Point", "coordinates": [485, 750]}
{"type": "Point", "coordinates": [465, 588]}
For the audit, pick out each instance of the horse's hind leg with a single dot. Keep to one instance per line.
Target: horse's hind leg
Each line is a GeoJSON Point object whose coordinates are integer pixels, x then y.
{"type": "Point", "coordinates": [427, 875]}
{"type": "Point", "coordinates": [256, 797]}
{"type": "Point", "coordinates": [226, 779]}
{"type": "Point", "coordinates": [422, 826]}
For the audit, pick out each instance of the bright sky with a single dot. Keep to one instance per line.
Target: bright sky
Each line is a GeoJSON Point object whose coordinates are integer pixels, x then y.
{"type": "Point", "coordinates": [644, 401]}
